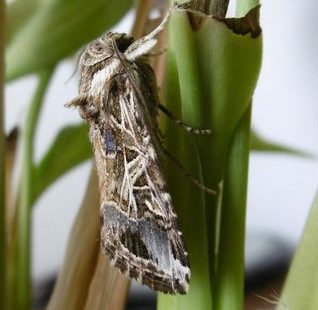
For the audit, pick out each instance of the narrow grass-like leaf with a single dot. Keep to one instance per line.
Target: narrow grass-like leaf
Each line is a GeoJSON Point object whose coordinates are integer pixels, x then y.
{"type": "Point", "coordinates": [59, 28]}
{"type": "Point", "coordinates": [260, 144]}
{"type": "Point", "coordinates": [301, 286]}
{"type": "Point", "coordinates": [69, 148]}
{"type": "Point", "coordinates": [21, 292]}
{"type": "Point", "coordinates": [230, 262]}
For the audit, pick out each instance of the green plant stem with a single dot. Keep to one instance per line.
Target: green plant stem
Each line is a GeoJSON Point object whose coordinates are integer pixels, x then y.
{"type": "Point", "coordinates": [2, 161]}
{"type": "Point", "coordinates": [189, 200]}
{"type": "Point", "coordinates": [230, 271]}
{"type": "Point", "coordinates": [22, 278]}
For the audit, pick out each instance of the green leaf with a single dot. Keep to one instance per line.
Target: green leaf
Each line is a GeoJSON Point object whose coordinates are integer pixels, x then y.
{"type": "Point", "coordinates": [19, 282]}
{"type": "Point", "coordinates": [216, 70]}
{"type": "Point", "coordinates": [59, 28]}
{"type": "Point", "coordinates": [301, 286]}
{"type": "Point", "coordinates": [18, 13]}
{"type": "Point", "coordinates": [260, 144]}
{"type": "Point", "coordinates": [70, 148]}
{"type": "Point", "coordinates": [229, 292]}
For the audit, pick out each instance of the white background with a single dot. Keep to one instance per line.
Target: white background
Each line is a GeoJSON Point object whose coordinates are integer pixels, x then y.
{"type": "Point", "coordinates": [281, 187]}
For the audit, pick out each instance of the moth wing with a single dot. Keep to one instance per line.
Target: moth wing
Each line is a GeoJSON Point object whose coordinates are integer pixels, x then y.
{"type": "Point", "coordinates": [145, 251]}
{"type": "Point", "coordinates": [139, 227]}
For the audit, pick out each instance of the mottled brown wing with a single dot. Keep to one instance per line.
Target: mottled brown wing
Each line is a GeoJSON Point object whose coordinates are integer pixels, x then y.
{"type": "Point", "coordinates": [139, 228]}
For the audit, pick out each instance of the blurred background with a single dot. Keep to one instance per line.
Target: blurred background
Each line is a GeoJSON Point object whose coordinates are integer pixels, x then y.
{"type": "Point", "coordinates": [281, 187]}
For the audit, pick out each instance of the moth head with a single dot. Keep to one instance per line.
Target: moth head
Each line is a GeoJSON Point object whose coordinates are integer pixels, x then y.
{"type": "Point", "coordinates": [103, 48]}
{"type": "Point", "coordinates": [95, 52]}
{"type": "Point", "coordinates": [122, 41]}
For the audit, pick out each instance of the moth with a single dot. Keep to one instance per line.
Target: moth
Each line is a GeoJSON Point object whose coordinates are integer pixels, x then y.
{"type": "Point", "coordinates": [118, 99]}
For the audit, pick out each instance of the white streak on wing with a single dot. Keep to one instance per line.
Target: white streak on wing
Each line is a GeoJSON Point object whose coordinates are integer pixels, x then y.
{"type": "Point", "coordinates": [130, 177]}
{"type": "Point", "coordinates": [111, 156]}
{"type": "Point", "coordinates": [136, 149]}
{"type": "Point", "coordinates": [119, 125]}
{"type": "Point", "coordinates": [126, 115]}
{"type": "Point", "coordinates": [151, 152]}
{"type": "Point", "coordinates": [103, 75]}
{"type": "Point", "coordinates": [133, 162]}
{"type": "Point", "coordinates": [166, 197]}
{"type": "Point", "coordinates": [165, 259]}
{"type": "Point", "coordinates": [144, 187]}
{"type": "Point", "coordinates": [149, 205]}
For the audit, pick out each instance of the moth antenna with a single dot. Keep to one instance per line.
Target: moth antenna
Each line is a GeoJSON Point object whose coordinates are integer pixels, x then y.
{"type": "Point", "coordinates": [187, 174]}
{"type": "Point", "coordinates": [158, 52]}
{"type": "Point", "coordinates": [78, 58]}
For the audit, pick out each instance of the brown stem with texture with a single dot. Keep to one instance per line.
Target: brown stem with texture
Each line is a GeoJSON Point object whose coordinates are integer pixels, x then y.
{"type": "Point", "coordinates": [142, 14]}
{"type": "Point", "coordinates": [217, 8]}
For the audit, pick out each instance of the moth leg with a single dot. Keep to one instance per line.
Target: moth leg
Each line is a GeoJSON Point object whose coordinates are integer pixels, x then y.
{"type": "Point", "coordinates": [182, 124]}
{"type": "Point", "coordinates": [145, 44]}
{"type": "Point", "coordinates": [187, 174]}
{"type": "Point", "coordinates": [158, 52]}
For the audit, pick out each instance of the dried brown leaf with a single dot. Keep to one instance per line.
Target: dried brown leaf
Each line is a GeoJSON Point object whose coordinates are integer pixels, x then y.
{"type": "Point", "coordinates": [108, 289]}
{"type": "Point", "coordinates": [74, 279]}
{"type": "Point", "coordinates": [86, 280]}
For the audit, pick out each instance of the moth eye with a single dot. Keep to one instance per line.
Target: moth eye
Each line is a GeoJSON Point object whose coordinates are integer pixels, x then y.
{"type": "Point", "coordinates": [123, 42]}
